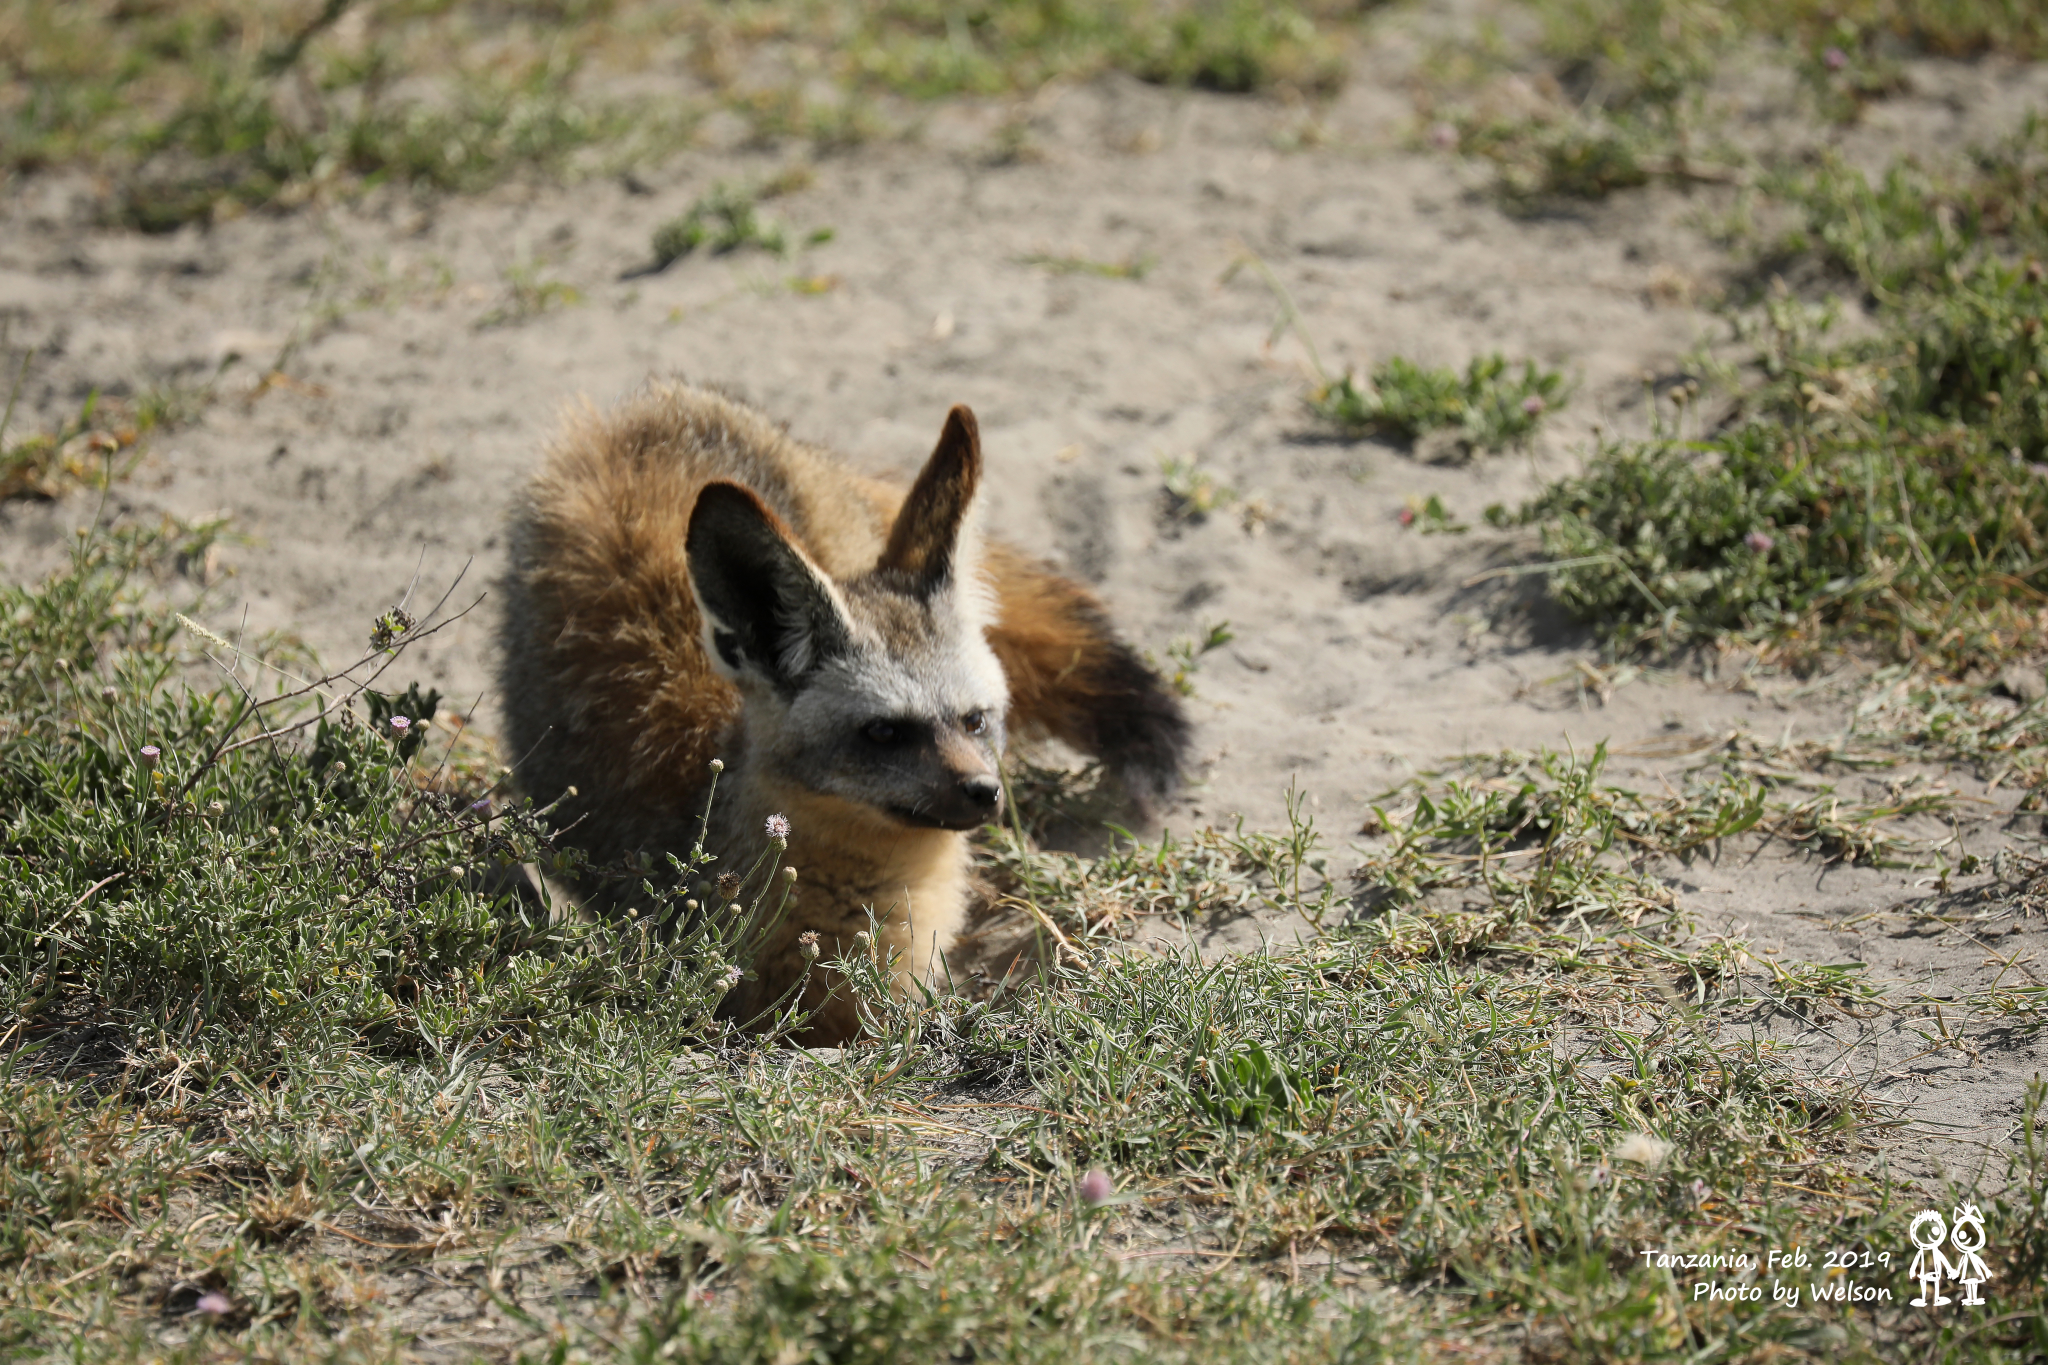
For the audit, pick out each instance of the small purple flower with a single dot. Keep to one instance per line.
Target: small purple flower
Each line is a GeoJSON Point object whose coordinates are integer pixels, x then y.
{"type": "Point", "coordinates": [399, 725]}
{"type": "Point", "coordinates": [732, 977]}
{"type": "Point", "coordinates": [150, 755]}
{"type": "Point", "coordinates": [778, 827]}
{"type": "Point", "coordinates": [213, 1303]}
{"type": "Point", "coordinates": [1759, 541]}
{"type": "Point", "coordinates": [1835, 58]}
{"type": "Point", "coordinates": [1533, 405]}
{"type": "Point", "coordinates": [481, 806]}
{"type": "Point", "coordinates": [1096, 1188]}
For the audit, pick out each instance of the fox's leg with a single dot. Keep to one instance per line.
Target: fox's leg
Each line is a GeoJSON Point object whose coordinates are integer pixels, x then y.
{"type": "Point", "coordinates": [1072, 677]}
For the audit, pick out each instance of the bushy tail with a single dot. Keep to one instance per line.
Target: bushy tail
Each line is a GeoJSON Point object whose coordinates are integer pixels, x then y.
{"type": "Point", "coordinates": [1070, 676]}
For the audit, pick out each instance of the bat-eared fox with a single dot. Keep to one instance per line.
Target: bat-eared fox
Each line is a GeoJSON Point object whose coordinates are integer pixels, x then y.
{"type": "Point", "coordinates": [688, 583]}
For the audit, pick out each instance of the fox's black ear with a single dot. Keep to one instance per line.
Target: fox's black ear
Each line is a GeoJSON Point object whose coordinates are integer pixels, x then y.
{"type": "Point", "coordinates": [930, 540]}
{"type": "Point", "coordinates": [769, 613]}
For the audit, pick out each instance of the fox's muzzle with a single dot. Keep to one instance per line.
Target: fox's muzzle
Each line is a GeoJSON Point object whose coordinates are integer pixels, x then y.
{"type": "Point", "coordinates": [968, 803]}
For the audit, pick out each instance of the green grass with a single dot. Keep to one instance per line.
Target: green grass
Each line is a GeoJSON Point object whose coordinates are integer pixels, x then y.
{"type": "Point", "coordinates": [1889, 489]}
{"type": "Point", "coordinates": [289, 1058]}
{"type": "Point", "coordinates": [529, 293]}
{"type": "Point", "coordinates": [205, 110]}
{"type": "Point", "coordinates": [1621, 99]}
{"type": "Point", "coordinates": [1129, 268]}
{"type": "Point", "coordinates": [1906, 231]}
{"type": "Point", "coordinates": [994, 46]}
{"type": "Point", "coordinates": [1943, 28]}
{"type": "Point", "coordinates": [1615, 94]}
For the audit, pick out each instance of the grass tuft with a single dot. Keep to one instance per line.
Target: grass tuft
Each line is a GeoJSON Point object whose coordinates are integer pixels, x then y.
{"type": "Point", "coordinates": [1135, 267]}
{"type": "Point", "coordinates": [1489, 406]}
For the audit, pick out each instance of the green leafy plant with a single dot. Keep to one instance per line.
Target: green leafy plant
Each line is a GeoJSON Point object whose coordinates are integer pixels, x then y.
{"type": "Point", "coordinates": [226, 835]}
{"type": "Point", "coordinates": [1246, 1085]}
{"type": "Point", "coordinates": [725, 219]}
{"type": "Point", "coordinates": [1186, 655]}
{"type": "Point", "coordinates": [1489, 405]}
{"type": "Point", "coordinates": [1192, 492]}
{"type": "Point", "coordinates": [1431, 517]}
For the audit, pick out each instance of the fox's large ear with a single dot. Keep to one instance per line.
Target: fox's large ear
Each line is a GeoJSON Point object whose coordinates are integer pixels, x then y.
{"type": "Point", "coordinates": [931, 541]}
{"type": "Point", "coordinates": [769, 613]}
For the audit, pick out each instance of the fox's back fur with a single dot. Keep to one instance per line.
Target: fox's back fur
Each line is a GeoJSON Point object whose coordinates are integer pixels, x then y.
{"type": "Point", "coordinates": [687, 582]}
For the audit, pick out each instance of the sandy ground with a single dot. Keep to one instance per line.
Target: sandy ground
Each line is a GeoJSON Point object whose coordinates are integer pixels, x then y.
{"type": "Point", "coordinates": [417, 392]}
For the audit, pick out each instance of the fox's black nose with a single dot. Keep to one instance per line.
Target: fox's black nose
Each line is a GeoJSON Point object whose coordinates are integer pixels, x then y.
{"type": "Point", "coordinates": [983, 792]}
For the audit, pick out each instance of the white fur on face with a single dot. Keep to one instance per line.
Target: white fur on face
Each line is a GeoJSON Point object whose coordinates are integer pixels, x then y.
{"type": "Point", "coordinates": [941, 682]}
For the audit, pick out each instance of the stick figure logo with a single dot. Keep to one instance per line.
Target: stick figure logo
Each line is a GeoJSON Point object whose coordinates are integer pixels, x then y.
{"type": "Point", "coordinates": [1931, 1265]}
{"type": "Point", "coordinates": [1928, 1232]}
{"type": "Point", "coordinates": [1967, 1236]}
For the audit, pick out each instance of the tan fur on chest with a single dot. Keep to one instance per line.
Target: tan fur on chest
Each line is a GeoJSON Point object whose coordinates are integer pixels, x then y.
{"type": "Point", "coordinates": [906, 889]}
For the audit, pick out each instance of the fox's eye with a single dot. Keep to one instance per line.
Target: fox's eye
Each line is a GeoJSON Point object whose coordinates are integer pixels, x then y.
{"type": "Point", "coordinates": [879, 732]}
{"type": "Point", "coordinates": [975, 722]}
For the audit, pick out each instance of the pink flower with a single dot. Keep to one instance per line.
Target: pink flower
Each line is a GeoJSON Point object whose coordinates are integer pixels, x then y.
{"type": "Point", "coordinates": [1443, 136]}
{"type": "Point", "coordinates": [399, 725]}
{"type": "Point", "coordinates": [1835, 58]}
{"type": "Point", "coordinates": [1759, 541]}
{"type": "Point", "coordinates": [1407, 516]}
{"type": "Point", "coordinates": [1096, 1188]}
{"type": "Point", "coordinates": [213, 1303]}
{"type": "Point", "coordinates": [150, 755]}
{"type": "Point", "coordinates": [1533, 405]}
{"type": "Point", "coordinates": [778, 827]}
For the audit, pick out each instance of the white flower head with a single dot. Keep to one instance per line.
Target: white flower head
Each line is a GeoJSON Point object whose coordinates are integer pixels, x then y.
{"type": "Point", "coordinates": [1643, 1149]}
